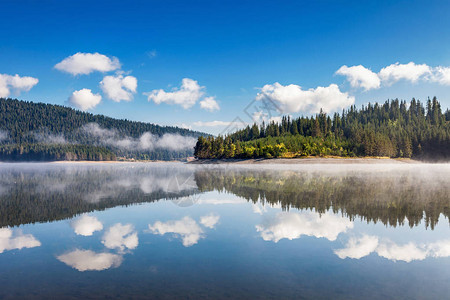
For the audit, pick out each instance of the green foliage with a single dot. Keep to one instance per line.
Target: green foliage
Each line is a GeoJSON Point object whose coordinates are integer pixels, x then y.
{"type": "Point", "coordinates": [54, 152]}
{"type": "Point", "coordinates": [392, 129]}
{"type": "Point", "coordinates": [23, 123]}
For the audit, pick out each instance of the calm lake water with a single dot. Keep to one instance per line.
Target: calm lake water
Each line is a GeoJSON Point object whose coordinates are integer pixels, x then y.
{"type": "Point", "coordinates": [165, 231]}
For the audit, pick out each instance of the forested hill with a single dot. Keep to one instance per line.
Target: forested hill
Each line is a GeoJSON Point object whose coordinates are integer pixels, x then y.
{"type": "Point", "coordinates": [392, 129]}
{"type": "Point", "coordinates": [39, 131]}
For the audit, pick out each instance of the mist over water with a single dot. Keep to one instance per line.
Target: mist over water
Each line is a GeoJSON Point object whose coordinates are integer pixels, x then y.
{"type": "Point", "coordinates": [172, 229]}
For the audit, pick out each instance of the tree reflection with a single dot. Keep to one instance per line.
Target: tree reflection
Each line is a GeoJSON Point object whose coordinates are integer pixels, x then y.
{"type": "Point", "coordinates": [390, 197]}
{"type": "Point", "coordinates": [56, 193]}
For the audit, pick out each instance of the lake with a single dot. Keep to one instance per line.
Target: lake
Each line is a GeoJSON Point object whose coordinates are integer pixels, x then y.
{"type": "Point", "coordinates": [173, 230]}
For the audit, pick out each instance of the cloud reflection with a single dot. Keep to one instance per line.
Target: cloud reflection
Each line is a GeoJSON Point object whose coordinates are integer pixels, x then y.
{"type": "Point", "coordinates": [357, 248]}
{"type": "Point", "coordinates": [19, 241]}
{"type": "Point", "coordinates": [120, 237]}
{"type": "Point", "coordinates": [210, 220]}
{"type": "Point", "coordinates": [187, 229]}
{"type": "Point", "coordinates": [87, 260]}
{"type": "Point", "coordinates": [86, 225]}
{"type": "Point", "coordinates": [290, 225]}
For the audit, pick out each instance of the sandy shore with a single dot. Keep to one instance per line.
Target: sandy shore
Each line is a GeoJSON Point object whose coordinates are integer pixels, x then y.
{"type": "Point", "coordinates": [308, 160]}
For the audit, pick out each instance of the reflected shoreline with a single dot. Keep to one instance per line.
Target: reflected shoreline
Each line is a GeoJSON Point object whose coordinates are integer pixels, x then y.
{"type": "Point", "coordinates": [380, 193]}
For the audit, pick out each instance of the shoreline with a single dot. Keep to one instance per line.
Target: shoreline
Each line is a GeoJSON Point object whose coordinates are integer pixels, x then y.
{"type": "Point", "coordinates": [253, 161]}
{"type": "Point", "coordinates": [309, 160]}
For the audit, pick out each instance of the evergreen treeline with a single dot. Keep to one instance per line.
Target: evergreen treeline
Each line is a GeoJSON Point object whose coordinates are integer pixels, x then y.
{"type": "Point", "coordinates": [392, 129]}
{"type": "Point", "coordinates": [25, 128]}
{"type": "Point", "coordinates": [52, 152]}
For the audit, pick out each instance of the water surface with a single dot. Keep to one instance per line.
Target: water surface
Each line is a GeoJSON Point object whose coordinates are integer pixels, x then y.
{"type": "Point", "coordinates": [262, 232]}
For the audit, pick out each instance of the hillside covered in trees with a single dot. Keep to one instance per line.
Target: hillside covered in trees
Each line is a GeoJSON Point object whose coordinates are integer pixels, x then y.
{"type": "Point", "coordinates": [392, 129]}
{"type": "Point", "coordinates": [39, 131]}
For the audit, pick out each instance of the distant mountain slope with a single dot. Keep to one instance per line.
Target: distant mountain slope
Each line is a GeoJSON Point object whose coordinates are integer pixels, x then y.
{"type": "Point", "coordinates": [25, 126]}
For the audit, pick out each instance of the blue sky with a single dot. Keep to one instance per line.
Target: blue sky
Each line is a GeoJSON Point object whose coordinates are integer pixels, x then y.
{"type": "Point", "coordinates": [232, 49]}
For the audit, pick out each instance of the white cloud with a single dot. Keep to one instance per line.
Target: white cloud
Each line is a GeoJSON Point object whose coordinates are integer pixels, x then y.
{"type": "Point", "coordinates": [87, 260]}
{"type": "Point", "coordinates": [359, 76]}
{"type": "Point", "coordinates": [84, 99]}
{"type": "Point", "coordinates": [358, 247]}
{"type": "Point", "coordinates": [210, 104]}
{"type": "Point", "coordinates": [186, 96]}
{"type": "Point", "coordinates": [16, 83]}
{"type": "Point", "coordinates": [187, 229]}
{"type": "Point", "coordinates": [118, 88]}
{"type": "Point", "coordinates": [210, 220]}
{"type": "Point", "coordinates": [184, 126]}
{"type": "Point", "coordinates": [86, 225]}
{"type": "Point", "coordinates": [215, 123]}
{"type": "Point", "coordinates": [290, 225]}
{"type": "Point", "coordinates": [292, 99]}
{"type": "Point", "coordinates": [410, 72]}
{"type": "Point", "coordinates": [19, 241]}
{"type": "Point", "coordinates": [86, 63]}
{"type": "Point", "coordinates": [120, 237]}
{"type": "Point", "coordinates": [441, 75]}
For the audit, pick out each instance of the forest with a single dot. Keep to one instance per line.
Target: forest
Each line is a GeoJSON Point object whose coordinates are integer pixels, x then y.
{"type": "Point", "coordinates": [46, 132]}
{"type": "Point", "coordinates": [395, 129]}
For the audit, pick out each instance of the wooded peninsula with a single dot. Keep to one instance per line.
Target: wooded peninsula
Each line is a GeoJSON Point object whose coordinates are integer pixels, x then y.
{"type": "Point", "coordinates": [395, 129]}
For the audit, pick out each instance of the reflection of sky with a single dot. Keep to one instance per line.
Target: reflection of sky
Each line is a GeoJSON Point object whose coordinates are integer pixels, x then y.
{"type": "Point", "coordinates": [225, 237]}
{"type": "Point", "coordinates": [14, 239]}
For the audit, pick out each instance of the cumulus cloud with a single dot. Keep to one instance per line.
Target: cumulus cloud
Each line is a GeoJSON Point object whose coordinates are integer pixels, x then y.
{"type": "Point", "coordinates": [290, 225]}
{"type": "Point", "coordinates": [186, 96]}
{"type": "Point", "coordinates": [187, 229]}
{"type": "Point", "coordinates": [84, 99]}
{"type": "Point", "coordinates": [16, 83]}
{"type": "Point", "coordinates": [441, 75]}
{"type": "Point", "coordinates": [87, 260]}
{"type": "Point", "coordinates": [120, 237]}
{"type": "Point", "coordinates": [147, 141]}
{"type": "Point", "coordinates": [8, 241]}
{"type": "Point", "coordinates": [359, 76]}
{"type": "Point", "coordinates": [118, 88]}
{"type": "Point", "coordinates": [410, 72]}
{"type": "Point", "coordinates": [86, 63]}
{"type": "Point", "coordinates": [210, 220]}
{"type": "Point", "coordinates": [210, 104]}
{"type": "Point", "coordinates": [86, 225]}
{"type": "Point", "coordinates": [292, 98]}
{"type": "Point", "coordinates": [357, 248]}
